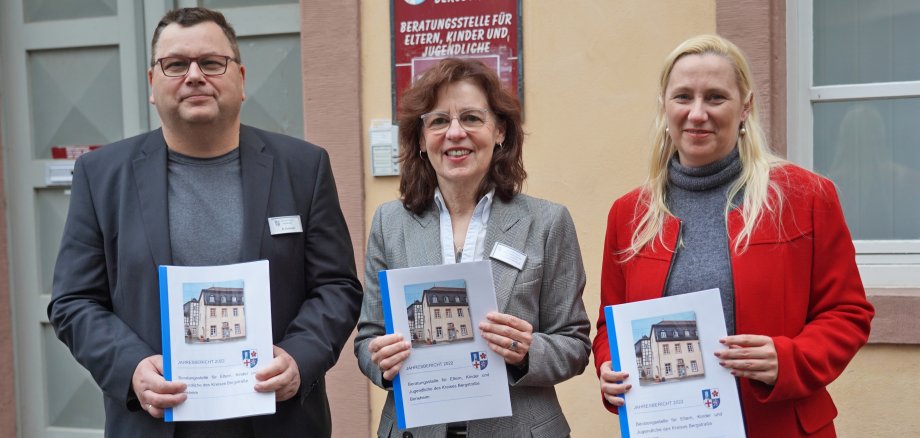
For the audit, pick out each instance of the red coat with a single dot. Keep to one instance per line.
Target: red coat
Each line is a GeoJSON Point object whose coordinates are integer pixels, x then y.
{"type": "Point", "coordinates": [796, 282]}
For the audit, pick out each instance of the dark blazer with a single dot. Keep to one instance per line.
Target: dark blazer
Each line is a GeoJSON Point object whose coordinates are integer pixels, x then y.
{"type": "Point", "coordinates": [105, 300]}
{"type": "Point", "coordinates": [546, 292]}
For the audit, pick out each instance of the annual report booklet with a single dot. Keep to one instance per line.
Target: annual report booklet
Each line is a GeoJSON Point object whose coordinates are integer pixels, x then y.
{"type": "Point", "coordinates": [451, 374]}
{"type": "Point", "coordinates": [678, 388]}
{"type": "Point", "coordinates": [217, 333]}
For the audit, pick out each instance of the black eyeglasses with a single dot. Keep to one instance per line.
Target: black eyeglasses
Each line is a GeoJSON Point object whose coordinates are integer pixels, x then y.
{"type": "Point", "coordinates": [210, 65]}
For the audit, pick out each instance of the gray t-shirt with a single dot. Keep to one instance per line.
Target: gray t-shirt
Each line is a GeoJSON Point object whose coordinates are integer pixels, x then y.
{"type": "Point", "coordinates": [205, 209]}
{"type": "Point", "coordinates": [205, 198]}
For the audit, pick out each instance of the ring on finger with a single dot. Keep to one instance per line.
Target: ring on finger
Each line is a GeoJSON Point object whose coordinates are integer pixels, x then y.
{"type": "Point", "coordinates": [513, 346]}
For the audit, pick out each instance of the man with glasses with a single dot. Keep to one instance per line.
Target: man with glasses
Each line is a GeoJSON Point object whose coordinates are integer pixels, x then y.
{"type": "Point", "coordinates": [201, 191]}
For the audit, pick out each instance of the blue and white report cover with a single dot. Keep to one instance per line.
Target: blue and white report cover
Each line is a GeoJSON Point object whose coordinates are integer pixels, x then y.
{"type": "Point", "coordinates": [451, 374]}
{"type": "Point", "coordinates": [217, 334]}
{"type": "Point", "coordinates": [678, 388]}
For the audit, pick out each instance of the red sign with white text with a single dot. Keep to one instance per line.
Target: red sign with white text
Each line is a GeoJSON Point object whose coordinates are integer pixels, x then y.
{"type": "Point", "coordinates": [426, 31]}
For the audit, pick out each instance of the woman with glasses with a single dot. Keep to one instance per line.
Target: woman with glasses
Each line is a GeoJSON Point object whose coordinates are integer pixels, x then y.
{"type": "Point", "coordinates": [719, 210]}
{"type": "Point", "coordinates": [462, 170]}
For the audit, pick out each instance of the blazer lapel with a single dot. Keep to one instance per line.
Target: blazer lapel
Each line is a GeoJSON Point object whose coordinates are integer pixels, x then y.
{"type": "Point", "coordinates": [509, 223]}
{"type": "Point", "coordinates": [150, 180]}
{"type": "Point", "coordinates": [423, 238]}
{"type": "Point", "coordinates": [256, 166]}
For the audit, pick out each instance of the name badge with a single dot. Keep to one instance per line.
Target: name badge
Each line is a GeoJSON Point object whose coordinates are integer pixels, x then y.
{"type": "Point", "coordinates": [509, 255]}
{"type": "Point", "coordinates": [285, 225]}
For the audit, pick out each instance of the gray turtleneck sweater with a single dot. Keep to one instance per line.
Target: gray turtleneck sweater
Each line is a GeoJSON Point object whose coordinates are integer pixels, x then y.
{"type": "Point", "coordinates": [697, 196]}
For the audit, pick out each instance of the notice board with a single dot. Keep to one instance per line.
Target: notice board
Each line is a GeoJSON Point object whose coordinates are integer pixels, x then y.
{"type": "Point", "coordinates": [425, 31]}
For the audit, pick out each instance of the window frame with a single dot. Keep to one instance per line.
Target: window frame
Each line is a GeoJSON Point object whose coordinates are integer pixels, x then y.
{"type": "Point", "coordinates": [881, 263]}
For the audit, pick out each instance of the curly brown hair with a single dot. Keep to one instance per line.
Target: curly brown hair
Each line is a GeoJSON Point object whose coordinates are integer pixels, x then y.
{"type": "Point", "coordinates": [418, 180]}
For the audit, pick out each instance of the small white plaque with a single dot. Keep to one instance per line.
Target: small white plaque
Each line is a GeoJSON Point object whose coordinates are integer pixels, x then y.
{"type": "Point", "coordinates": [285, 225]}
{"type": "Point", "coordinates": [509, 255]}
{"type": "Point", "coordinates": [59, 174]}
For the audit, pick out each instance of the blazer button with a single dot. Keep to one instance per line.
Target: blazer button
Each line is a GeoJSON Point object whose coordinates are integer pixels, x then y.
{"type": "Point", "coordinates": [407, 434]}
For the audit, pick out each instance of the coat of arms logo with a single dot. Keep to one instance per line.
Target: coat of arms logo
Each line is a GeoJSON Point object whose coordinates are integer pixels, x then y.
{"type": "Point", "coordinates": [711, 398]}
{"type": "Point", "coordinates": [478, 358]}
{"type": "Point", "coordinates": [250, 358]}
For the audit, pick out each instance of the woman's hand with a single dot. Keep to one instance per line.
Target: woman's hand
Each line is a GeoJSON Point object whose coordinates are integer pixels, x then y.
{"type": "Point", "coordinates": [389, 352]}
{"type": "Point", "coordinates": [508, 336]}
{"type": "Point", "coordinates": [612, 386]}
{"type": "Point", "coordinates": [750, 356]}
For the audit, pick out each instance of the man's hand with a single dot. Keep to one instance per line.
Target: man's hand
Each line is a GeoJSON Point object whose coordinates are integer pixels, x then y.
{"type": "Point", "coordinates": [281, 376]}
{"type": "Point", "coordinates": [153, 391]}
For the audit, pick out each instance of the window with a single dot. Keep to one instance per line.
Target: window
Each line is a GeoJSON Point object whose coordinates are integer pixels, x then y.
{"type": "Point", "coordinates": [463, 330]}
{"type": "Point", "coordinates": [457, 299]}
{"type": "Point", "coordinates": [236, 311]}
{"type": "Point", "coordinates": [687, 333]}
{"type": "Point", "coordinates": [223, 312]}
{"type": "Point", "coordinates": [689, 347]}
{"type": "Point", "coordinates": [236, 328]}
{"type": "Point", "coordinates": [676, 348]}
{"type": "Point", "coordinates": [460, 313]}
{"type": "Point", "coordinates": [852, 118]}
{"type": "Point", "coordinates": [437, 313]}
{"type": "Point", "coordinates": [694, 367]}
{"type": "Point", "coordinates": [434, 299]}
{"type": "Point", "coordinates": [667, 369]}
{"type": "Point", "coordinates": [213, 330]}
{"type": "Point", "coordinates": [662, 334]}
{"type": "Point", "coordinates": [665, 349]}
{"type": "Point", "coordinates": [447, 313]}
{"type": "Point", "coordinates": [440, 332]}
{"type": "Point", "coordinates": [223, 299]}
{"type": "Point", "coordinates": [211, 299]}
{"type": "Point", "coordinates": [213, 312]}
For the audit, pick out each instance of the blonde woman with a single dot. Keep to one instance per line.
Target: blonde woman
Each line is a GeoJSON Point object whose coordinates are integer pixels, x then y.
{"type": "Point", "coordinates": [719, 210]}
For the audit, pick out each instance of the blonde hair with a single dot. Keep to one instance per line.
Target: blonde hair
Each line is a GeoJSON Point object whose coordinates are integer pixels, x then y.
{"type": "Point", "coordinates": [756, 158]}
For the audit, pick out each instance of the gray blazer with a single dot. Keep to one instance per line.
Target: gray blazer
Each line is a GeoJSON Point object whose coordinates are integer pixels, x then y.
{"type": "Point", "coordinates": [546, 292]}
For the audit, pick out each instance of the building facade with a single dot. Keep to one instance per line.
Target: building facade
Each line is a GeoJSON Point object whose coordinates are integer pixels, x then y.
{"type": "Point", "coordinates": [416, 320]}
{"type": "Point", "coordinates": [218, 314]}
{"type": "Point", "coordinates": [575, 82]}
{"type": "Point", "coordinates": [446, 313]}
{"type": "Point", "coordinates": [673, 352]}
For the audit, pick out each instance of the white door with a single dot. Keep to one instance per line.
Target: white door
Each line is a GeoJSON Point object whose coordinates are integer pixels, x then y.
{"type": "Point", "coordinates": [73, 72]}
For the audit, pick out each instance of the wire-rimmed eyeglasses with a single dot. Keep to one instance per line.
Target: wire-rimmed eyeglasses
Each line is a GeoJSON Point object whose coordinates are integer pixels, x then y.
{"type": "Point", "coordinates": [470, 120]}
{"type": "Point", "coordinates": [210, 65]}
